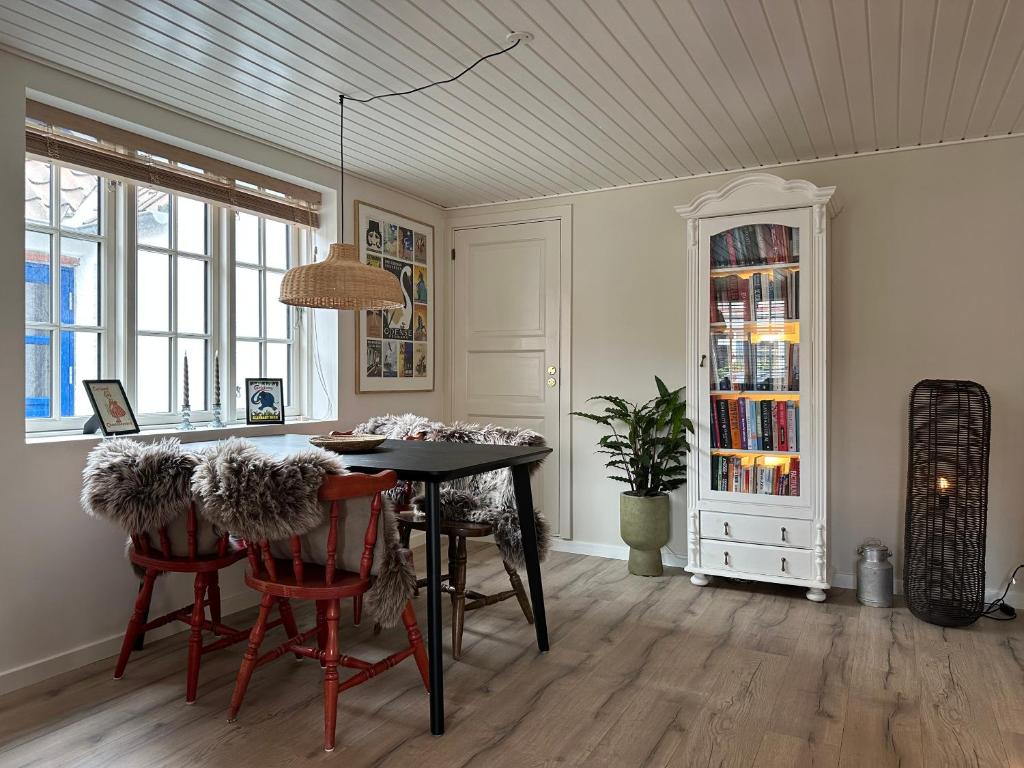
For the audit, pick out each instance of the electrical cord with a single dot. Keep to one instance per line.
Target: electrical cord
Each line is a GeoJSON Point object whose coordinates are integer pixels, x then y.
{"type": "Point", "coordinates": [342, 98]}
{"type": "Point", "coordinates": [999, 605]}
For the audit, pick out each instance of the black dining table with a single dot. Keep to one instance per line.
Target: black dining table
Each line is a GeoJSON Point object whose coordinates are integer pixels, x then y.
{"type": "Point", "coordinates": [433, 463]}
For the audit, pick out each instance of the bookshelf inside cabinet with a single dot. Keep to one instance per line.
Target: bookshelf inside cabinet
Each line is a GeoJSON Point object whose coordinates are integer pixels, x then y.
{"type": "Point", "coordinates": [756, 339]}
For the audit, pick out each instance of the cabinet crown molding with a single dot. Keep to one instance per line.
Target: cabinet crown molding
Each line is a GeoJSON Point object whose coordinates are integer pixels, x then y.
{"type": "Point", "coordinates": [757, 191]}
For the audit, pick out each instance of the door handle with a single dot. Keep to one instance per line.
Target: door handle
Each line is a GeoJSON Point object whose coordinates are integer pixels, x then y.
{"type": "Point", "coordinates": [702, 359]}
{"type": "Point", "coordinates": [552, 381]}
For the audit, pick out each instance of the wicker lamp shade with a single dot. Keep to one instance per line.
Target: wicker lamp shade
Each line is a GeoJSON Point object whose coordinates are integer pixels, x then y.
{"type": "Point", "coordinates": [341, 281]}
{"type": "Point", "coordinates": [947, 501]}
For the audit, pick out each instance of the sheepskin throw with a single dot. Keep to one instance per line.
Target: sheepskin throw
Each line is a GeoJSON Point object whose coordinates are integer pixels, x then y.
{"type": "Point", "coordinates": [490, 497]}
{"type": "Point", "coordinates": [139, 486]}
{"type": "Point", "coordinates": [397, 427]}
{"type": "Point", "coordinates": [260, 497]}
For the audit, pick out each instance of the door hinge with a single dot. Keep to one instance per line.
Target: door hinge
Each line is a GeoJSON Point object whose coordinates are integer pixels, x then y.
{"type": "Point", "coordinates": [453, 254]}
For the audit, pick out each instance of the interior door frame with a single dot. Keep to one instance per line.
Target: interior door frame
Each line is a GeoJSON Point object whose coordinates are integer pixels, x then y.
{"type": "Point", "coordinates": [473, 219]}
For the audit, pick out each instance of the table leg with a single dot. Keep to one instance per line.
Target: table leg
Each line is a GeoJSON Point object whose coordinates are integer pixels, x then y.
{"type": "Point", "coordinates": [528, 525]}
{"type": "Point", "coordinates": [435, 650]}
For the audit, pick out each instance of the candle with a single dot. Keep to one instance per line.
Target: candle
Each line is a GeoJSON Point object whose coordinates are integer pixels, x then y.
{"type": "Point", "coordinates": [216, 379]}
{"type": "Point", "coordinates": [184, 404]}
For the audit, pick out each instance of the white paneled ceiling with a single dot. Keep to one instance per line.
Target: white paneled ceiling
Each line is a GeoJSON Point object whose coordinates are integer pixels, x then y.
{"type": "Point", "coordinates": [610, 92]}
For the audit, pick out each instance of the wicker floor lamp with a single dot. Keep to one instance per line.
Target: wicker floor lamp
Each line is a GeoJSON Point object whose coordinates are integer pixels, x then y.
{"type": "Point", "coordinates": [947, 501]}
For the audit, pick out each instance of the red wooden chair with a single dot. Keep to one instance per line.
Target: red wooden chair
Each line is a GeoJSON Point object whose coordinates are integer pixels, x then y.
{"type": "Point", "coordinates": [159, 558]}
{"type": "Point", "coordinates": [299, 578]}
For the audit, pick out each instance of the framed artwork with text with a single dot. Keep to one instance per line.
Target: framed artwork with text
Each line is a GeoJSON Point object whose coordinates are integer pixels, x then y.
{"type": "Point", "coordinates": [395, 347]}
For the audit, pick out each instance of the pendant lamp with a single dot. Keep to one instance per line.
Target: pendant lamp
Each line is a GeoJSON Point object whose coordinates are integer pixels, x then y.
{"type": "Point", "coordinates": [341, 281]}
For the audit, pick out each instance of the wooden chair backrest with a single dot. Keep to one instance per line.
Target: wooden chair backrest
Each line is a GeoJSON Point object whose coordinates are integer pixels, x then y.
{"type": "Point", "coordinates": [333, 490]}
{"type": "Point", "coordinates": [143, 545]}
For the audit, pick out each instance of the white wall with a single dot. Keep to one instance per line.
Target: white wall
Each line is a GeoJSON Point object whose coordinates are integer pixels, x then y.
{"type": "Point", "coordinates": [67, 588]}
{"type": "Point", "coordinates": [926, 268]}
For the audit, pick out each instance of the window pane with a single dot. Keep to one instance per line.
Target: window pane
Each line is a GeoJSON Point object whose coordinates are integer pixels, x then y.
{"type": "Point", "coordinates": [277, 313]}
{"type": "Point", "coordinates": [80, 201]}
{"type": "Point", "coordinates": [37, 192]}
{"type": "Point", "coordinates": [277, 367]}
{"type": "Point", "coordinates": [196, 351]}
{"type": "Point", "coordinates": [152, 223]}
{"type": "Point", "coordinates": [79, 281]}
{"type": "Point", "coordinates": [153, 291]}
{"type": "Point", "coordinates": [37, 277]}
{"type": "Point", "coordinates": [247, 365]}
{"type": "Point", "coordinates": [247, 238]}
{"type": "Point", "coordinates": [276, 235]}
{"type": "Point", "coordinates": [191, 295]}
{"type": "Point", "coordinates": [247, 302]}
{"type": "Point", "coordinates": [152, 364]}
{"type": "Point", "coordinates": [79, 360]}
{"type": "Point", "coordinates": [38, 380]}
{"type": "Point", "coordinates": [192, 218]}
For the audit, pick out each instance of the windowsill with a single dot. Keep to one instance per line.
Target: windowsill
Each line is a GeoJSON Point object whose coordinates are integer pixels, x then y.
{"type": "Point", "coordinates": [201, 432]}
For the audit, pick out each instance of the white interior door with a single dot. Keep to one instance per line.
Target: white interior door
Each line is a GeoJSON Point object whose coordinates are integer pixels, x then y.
{"type": "Point", "coordinates": [506, 329]}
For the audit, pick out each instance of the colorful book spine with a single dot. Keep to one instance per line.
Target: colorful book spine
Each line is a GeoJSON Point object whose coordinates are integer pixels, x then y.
{"type": "Point", "coordinates": [735, 440]}
{"type": "Point", "coordinates": [791, 425]}
{"type": "Point", "coordinates": [723, 423]}
{"type": "Point", "coordinates": [781, 419]}
{"type": "Point", "coordinates": [742, 403]}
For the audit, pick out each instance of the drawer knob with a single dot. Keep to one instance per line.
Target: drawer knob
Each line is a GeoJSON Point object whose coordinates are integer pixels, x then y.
{"type": "Point", "coordinates": [726, 558]}
{"type": "Point", "coordinates": [726, 526]}
{"type": "Point", "coordinates": [784, 534]}
{"type": "Point", "coordinates": [783, 565]}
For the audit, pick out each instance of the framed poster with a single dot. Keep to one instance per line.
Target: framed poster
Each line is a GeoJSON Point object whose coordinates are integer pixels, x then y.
{"type": "Point", "coordinates": [111, 407]}
{"type": "Point", "coordinates": [396, 346]}
{"type": "Point", "coordinates": [264, 401]}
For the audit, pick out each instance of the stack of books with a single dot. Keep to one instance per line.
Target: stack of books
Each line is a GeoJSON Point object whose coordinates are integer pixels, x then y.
{"type": "Point", "coordinates": [762, 297]}
{"type": "Point", "coordinates": [738, 364]}
{"type": "Point", "coordinates": [742, 423]}
{"type": "Point", "coordinates": [729, 473]}
{"type": "Point", "coordinates": [755, 245]}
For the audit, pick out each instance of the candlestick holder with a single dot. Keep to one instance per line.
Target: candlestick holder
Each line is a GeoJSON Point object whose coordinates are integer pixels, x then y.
{"type": "Point", "coordinates": [216, 422]}
{"type": "Point", "coordinates": [186, 425]}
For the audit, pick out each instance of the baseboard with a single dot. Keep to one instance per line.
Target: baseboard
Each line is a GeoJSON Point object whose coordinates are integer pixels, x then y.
{"type": "Point", "coordinates": [610, 551]}
{"type": "Point", "coordinates": [839, 580]}
{"type": "Point", "coordinates": [108, 647]}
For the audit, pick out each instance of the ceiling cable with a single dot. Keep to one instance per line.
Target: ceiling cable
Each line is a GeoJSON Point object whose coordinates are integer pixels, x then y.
{"type": "Point", "coordinates": [515, 38]}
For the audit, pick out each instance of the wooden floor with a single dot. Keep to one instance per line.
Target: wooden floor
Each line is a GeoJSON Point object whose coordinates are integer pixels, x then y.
{"type": "Point", "coordinates": [642, 672]}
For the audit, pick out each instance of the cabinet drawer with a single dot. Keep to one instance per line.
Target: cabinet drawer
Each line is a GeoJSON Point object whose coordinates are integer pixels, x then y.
{"type": "Point", "coordinates": [781, 531]}
{"type": "Point", "coordinates": [756, 559]}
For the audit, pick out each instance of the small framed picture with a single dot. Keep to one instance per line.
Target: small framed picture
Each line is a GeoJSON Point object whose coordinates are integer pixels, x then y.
{"type": "Point", "coordinates": [111, 407]}
{"type": "Point", "coordinates": [264, 401]}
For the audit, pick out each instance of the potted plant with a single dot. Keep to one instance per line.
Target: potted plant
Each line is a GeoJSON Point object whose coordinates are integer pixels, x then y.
{"type": "Point", "coordinates": [648, 446]}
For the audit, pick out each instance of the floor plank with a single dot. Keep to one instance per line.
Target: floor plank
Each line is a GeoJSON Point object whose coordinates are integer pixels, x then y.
{"type": "Point", "coordinates": [641, 672]}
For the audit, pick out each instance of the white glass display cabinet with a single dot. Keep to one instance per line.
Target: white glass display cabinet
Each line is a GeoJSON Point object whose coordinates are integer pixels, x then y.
{"type": "Point", "coordinates": [757, 345]}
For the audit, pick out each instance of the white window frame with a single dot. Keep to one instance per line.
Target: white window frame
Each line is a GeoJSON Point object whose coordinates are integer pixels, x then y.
{"type": "Point", "coordinates": [118, 303]}
{"type": "Point", "coordinates": [106, 238]}
{"type": "Point", "coordinates": [299, 360]}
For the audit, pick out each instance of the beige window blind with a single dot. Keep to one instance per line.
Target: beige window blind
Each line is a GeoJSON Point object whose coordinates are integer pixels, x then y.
{"type": "Point", "coordinates": [66, 137]}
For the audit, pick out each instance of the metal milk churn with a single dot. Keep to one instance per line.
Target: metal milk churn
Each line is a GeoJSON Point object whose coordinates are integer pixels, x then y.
{"type": "Point", "coordinates": [874, 574]}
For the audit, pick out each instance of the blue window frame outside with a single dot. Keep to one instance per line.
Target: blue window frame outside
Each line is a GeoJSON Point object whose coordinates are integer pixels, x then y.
{"type": "Point", "coordinates": [41, 407]}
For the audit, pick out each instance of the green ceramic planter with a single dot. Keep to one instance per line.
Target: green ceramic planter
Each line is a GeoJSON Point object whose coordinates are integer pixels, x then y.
{"type": "Point", "coordinates": [643, 524]}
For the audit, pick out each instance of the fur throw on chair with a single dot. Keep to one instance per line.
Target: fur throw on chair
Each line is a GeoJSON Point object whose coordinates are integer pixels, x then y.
{"type": "Point", "coordinates": [138, 486]}
{"type": "Point", "coordinates": [490, 497]}
{"type": "Point", "coordinates": [261, 497]}
{"type": "Point", "coordinates": [396, 427]}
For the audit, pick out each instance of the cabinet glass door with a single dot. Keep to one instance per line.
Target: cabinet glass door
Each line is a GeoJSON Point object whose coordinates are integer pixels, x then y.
{"type": "Point", "coordinates": [754, 358]}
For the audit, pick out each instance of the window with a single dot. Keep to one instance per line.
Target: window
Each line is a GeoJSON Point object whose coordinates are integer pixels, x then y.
{"type": "Point", "coordinates": [67, 335]}
{"type": "Point", "coordinates": [264, 346]}
{"type": "Point", "coordinates": [126, 281]}
{"type": "Point", "coordinates": [172, 300]}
